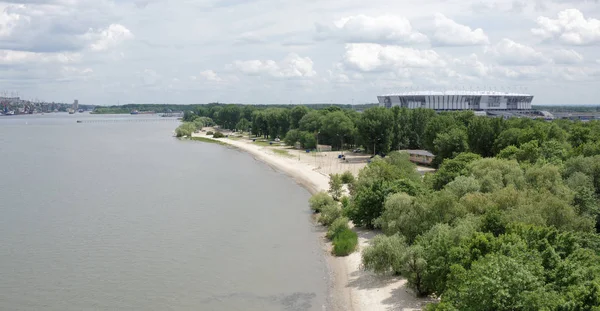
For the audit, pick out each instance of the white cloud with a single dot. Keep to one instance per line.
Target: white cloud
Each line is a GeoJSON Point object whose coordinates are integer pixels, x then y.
{"type": "Point", "coordinates": [564, 56]}
{"type": "Point", "coordinates": [571, 27]}
{"type": "Point", "coordinates": [508, 52]}
{"type": "Point", "coordinates": [366, 29]}
{"type": "Point", "coordinates": [10, 57]}
{"type": "Point", "coordinates": [449, 32]}
{"type": "Point", "coordinates": [210, 76]}
{"type": "Point", "coordinates": [471, 65]}
{"type": "Point", "coordinates": [107, 38]}
{"type": "Point", "coordinates": [9, 21]}
{"type": "Point", "coordinates": [291, 66]}
{"type": "Point", "coordinates": [374, 57]}
{"type": "Point", "coordinates": [70, 70]}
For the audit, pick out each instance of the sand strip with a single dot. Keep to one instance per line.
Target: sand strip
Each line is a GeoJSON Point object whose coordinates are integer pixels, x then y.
{"type": "Point", "coordinates": [352, 289]}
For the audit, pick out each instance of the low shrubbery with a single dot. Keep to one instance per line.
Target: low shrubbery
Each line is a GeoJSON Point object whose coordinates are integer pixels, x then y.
{"type": "Point", "coordinates": [318, 201]}
{"type": "Point", "coordinates": [337, 226]}
{"type": "Point", "coordinates": [347, 177]}
{"type": "Point", "coordinates": [329, 213]}
{"type": "Point", "coordinates": [209, 133]}
{"type": "Point", "coordinates": [345, 201]}
{"type": "Point", "coordinates": [218, 135]}
{"type": "Point", "coordinates": [185, 129]}
{"type": "Point", "coordinates": [345, 242]}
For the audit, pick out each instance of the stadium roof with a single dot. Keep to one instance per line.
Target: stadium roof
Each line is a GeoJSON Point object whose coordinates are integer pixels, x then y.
{"type": "Point", "coordinates": [463, 93]}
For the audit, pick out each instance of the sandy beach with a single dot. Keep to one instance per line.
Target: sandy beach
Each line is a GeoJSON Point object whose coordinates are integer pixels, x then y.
{"type": "Point", "coordinates": [351, 288]}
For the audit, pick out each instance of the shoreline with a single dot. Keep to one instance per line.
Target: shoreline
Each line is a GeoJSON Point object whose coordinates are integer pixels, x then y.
{"type": "Point", "coordinates": [350, 287]}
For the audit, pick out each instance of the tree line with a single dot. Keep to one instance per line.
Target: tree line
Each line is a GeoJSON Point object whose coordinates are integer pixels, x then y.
{"type": "Point", "coordinates": [379, 131]}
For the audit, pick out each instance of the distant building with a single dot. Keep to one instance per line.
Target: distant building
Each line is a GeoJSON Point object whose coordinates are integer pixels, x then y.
{"type": "Point", "coordinates": [458, 100]}
{"type": "Point", "coordinates": [420, 156]}
{"type": "Point", "coordinates": [76, 105]}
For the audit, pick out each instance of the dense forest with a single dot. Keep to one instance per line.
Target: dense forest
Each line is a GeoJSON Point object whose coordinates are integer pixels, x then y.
{"type": "Point", "coordinates": [509, 221]}
{"type": "Point", "coordinates": [162, 108]}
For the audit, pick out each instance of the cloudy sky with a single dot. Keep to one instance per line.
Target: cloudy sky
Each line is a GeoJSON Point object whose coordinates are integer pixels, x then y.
{"type": "Point", "coordinates": [302, 51]}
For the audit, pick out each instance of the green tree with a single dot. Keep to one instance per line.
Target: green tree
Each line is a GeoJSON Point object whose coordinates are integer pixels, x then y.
{"type": "Point", "coordinates": [243, 125]}
{"type": "Point", "coordinates": [335, 186]}
{"type": "Point", "coordinates": [452, 168]}
{"type": "Point", "coordinates": [292, 137]}
{"type": "Point", "coordinates": [311, 122]}
{"type": "Point", "coordinates": [419, 118]}
{"type": "Point", "coordinates": [375, 128]}
{"type": "Point", "coordinates": [337, 126]}
{"type": "Point", "coordinates": [449, 144]}
{"type": "Point", "coordinates": [482, 133]}
{"type": "Point", "coordinates": [296, 115]}
{"type": "Point", "coordinates": [385, 254]}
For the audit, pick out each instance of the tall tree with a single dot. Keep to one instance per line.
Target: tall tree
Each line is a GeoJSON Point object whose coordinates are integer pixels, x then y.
{"type": "Point", "coordinates": [296, 115]}
{"type": "Point", "coordinates": [375, 129]}
{"type": "Point", "coordinates": [337, 126]}
{"type": "Point", "coordinates": [482, 133]}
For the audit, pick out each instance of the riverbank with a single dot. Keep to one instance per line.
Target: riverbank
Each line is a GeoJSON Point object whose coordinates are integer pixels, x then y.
{"type": "Point", "coordinates": [351, 288]}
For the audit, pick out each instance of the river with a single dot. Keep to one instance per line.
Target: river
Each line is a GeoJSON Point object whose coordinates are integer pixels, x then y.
{"type": "Point", "coordinates": [122, 216]}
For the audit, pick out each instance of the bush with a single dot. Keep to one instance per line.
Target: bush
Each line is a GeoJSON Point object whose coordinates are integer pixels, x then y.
{"type": "Point", "coordinates": [292, 137]}
{"type": "Point", "coordinates": [218, 135]}
{"type": "Point", "coordinates": [345, 242]}
{"type": "Point", "coordinates": [335, 186]}
{"type": "Point", "coordinates": [345, 201]}
{"type": "Point", "coordinates": [347, 177]}
{"type": "Point", "coordinates": [337, 226]}
{"type": "Point", "coordinates": [185, 129]}
{"type": "Point", "coordinates": [209, 133]}
{"type": "Point", "coordinates": [318, 201]}
{"type": "Point", "coordinates": [308, 140]}
{"type": "Point", "coordinates": [329, 214]}
{"type": "Point", "coordinates": [385, 254]}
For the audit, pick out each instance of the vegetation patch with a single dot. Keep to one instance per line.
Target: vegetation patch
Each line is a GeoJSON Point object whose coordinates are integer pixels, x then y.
{"type": "Point", "coordinates": [218, 135]}
{"type": "Point", "coordinates": [318, 201]}
{"type": "Point", "coordinates": [345, 242]}
{"type": "Point", "coordinates": [329, 214]}
{"type": "Point", "coordinates": [208, 140]}
{"type": "Point", "coordinates": [338, 225]}
{"type": "Point", "coordinates": [282, 152]}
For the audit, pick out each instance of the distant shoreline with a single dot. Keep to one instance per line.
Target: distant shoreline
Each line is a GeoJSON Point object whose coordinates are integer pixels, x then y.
{"type": "Point", "coordinates": [350, 287]}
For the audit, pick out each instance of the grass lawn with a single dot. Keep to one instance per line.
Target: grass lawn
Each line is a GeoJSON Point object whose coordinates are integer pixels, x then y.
{"type": "Point", "coordinates": [207, 140]}
{"type": "Point", "coordinates": [282, 152]}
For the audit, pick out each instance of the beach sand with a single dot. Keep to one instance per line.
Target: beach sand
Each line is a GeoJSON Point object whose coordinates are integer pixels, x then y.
{"type": "Point", "coordinates": [351, 288]}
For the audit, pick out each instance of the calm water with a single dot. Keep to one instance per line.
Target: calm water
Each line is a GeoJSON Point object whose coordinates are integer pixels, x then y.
{"type": "Point", "coordinates": [122, 216]}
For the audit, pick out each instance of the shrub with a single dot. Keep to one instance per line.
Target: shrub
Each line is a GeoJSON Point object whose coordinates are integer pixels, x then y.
{"type": "Point", "coordinates": [335, 186]}
{"type": "Point", "coordinates": [385, 254]}
{"type": "Point", "coordinates": [329, 214]}
{"type": "Point", "coordinates": [292, 137]}
{"type": "Point", "coordinates": [318, 201]}
{"type": "Point", "coordinates": [337, 226]}
{"type": "Point", "coordinates": [345, 242]}
{"type": "Point", "coordinates": [218, 135]}
{"type": "Point", "coordinates": [345, 201]}
{"type": "Point", "coordinates": [209, 133]}
{"type": "Point", "coordinates": [185, 129]}
{"type": "Point", "coordinates": [347, 177]}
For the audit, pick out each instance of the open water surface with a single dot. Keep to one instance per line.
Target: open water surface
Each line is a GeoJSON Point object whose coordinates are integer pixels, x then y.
{"type": "Point", "coordinates": [122, 216]}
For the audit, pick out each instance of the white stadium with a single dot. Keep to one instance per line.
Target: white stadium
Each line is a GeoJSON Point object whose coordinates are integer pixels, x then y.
{"type": "Point", "coordinates": [458, 100]}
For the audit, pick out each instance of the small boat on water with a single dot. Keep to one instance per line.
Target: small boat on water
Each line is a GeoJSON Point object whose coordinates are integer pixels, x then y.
{"type": "Point", "coordinates": [134, 112]}
{"type": "Point", "coordinates": [80, 110]}
{"type": "Point", "coordinates": [71, 111]}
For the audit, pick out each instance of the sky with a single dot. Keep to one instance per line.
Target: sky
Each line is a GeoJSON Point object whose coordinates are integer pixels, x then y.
{"type": "Point", "coordinates": [104, 52]}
